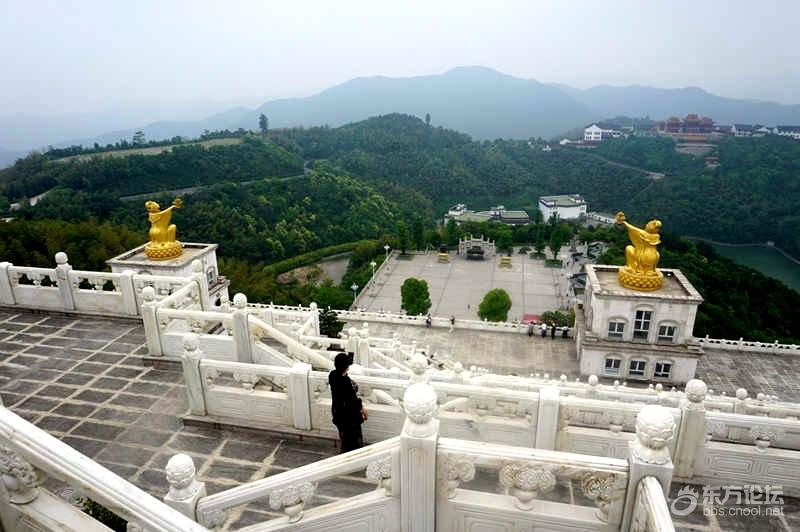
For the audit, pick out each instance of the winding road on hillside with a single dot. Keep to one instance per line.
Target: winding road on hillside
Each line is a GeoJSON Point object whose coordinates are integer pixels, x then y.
{"type": "Point", "coordinates": [650, 174]}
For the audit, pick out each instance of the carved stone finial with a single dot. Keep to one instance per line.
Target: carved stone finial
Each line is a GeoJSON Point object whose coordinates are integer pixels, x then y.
{"type": "Point", "coordinates": [420, 405]}
{"type": "Point", "coordinates": [181, 473]}
{"type": "Point", "coordinates": [61, 258]}
{"type": "Point", "coordinates": [419, 368]}
{"type": "Point", "coordinates": [197, 266]}
{"type": "Point", "coordinates": [240, 301]}
{"type": "Point", "coordinates": [190, 342]}
{"type": "Point", "coordinates": [696, 391]}
{"type": "Point", "coordinates": [20, 478]}
{"type": "Point", "coordinates": [655, 427]}
{"type": "Point", "coordinates": [148, 294]}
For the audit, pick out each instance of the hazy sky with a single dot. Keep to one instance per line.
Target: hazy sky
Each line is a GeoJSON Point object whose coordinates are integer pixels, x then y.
{"type": "Point", "coordinates": [96, 55]}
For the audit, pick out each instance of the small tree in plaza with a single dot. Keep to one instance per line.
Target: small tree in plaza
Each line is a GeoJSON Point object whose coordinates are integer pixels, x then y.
{"type": "Point", "coordinates": [329, 323]}
{"type": "Point", "coordinates": [495, 305]}
{"type": "Point", "coordinates": [415, 296]}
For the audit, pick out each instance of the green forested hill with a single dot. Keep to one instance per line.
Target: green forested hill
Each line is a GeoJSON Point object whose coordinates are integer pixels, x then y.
{"type": "Point", "coordinates": [182, 166]}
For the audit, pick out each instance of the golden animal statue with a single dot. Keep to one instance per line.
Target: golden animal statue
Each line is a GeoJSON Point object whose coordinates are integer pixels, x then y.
{"type": "Point", "coordinates": [162, 245]}
{"type": "Point", "coordinates": [641, 259]}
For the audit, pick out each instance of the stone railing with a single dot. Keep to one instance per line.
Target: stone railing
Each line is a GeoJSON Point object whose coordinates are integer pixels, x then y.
{"type": "Point", "coordinates": [109, 294]}
{"type": "Point", "coordinates": [29, 456]}
{"type": "Point", "coordinates": [651, 513]}
{"type": "Point", "coordinates": [426, 482]}
{"type": "Point", "coordinates": [550, 417]}
{"type": "Point", "coordinates": [745, 346]}
{"type": "Point", "coordinates": [437, 321]}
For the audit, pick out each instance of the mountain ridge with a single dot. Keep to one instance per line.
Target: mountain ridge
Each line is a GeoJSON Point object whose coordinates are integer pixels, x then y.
{"type": "Point", "coordinates": [476, 100]}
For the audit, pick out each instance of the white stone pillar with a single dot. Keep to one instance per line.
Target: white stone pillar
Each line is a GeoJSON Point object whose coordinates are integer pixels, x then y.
{"type": "Point", "coordinates": [740, 404]}
{"type": "Point", "coordinates": [128, 292]}
{"type": "Point", "coordinates": [62, 279]}
{"type": "Point", "coordinates": [191, 374]}
{"type": "Point", "coordinates": [315, 313]}
{"type": "Point", "coordinates": [418, 460]}
{"type": "Point", "coordinates": [692, 430]}
{"type": "Point", "coordinates": [152, 331]}
{"type": "Point", "coordinates": [202, 281]}
{"type": "Point", "coordinates": [184, 488]}
{"type": "Point", "coordinates": [241, 329]}
{"type": "Point", "coordinates": [547, 422]}
{"type": "Point", "coordinates": [649, 454]}
{"type": "Point", "coordinates": [300, 396]}
{"type": "Point", "coordinates": [6, 293]}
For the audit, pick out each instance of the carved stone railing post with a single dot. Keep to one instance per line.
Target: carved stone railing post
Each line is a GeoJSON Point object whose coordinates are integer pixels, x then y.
{"type": "Point", "coordinates": [241, 329]}
{"type": "Point", "coordinates": [418, 459]}
{"type": "Point", "coordinates": [192, 356]}
{"type": "Point", "coordinates": [202, 281]}
{"type": "Point", "coordinates": [6, 293]}
{"type": "Point", "coordinates": [152, 331]}
{"type": "Point", "coordinates": [649, 454]}
{"type": "Point", "coordinates": [547, 423]}
{"type": "Point", "coordinates": [18, 477]}
{"type": "Point", "coordinates": [692, 431]}
{"type": "Point", "coordinates": [184, 488]}
{"type": "Point", "coordinates": [126, 288]}
{"type": "Point", "coordinates": [363, 353]}
{"type": "Point", "coordinates": [62, 279]}
{"type": "Point", "coordinates": [315, 313]}
{"type": "Point", "coordinates": [299, 395]}
{"type": "Point", "coordinates": [740, 403]}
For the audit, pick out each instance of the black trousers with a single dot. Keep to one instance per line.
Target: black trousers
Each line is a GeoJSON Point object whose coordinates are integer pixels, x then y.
{"type": "Point", "coordinates": [350, 438]}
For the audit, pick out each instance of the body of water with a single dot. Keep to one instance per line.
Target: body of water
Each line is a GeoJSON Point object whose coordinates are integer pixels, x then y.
{"type": "Point", "coordinates": [767, 260]}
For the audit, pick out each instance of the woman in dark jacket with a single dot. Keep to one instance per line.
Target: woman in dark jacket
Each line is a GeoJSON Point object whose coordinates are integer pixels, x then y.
{"type": "Point", "coordinates": [346, 408]}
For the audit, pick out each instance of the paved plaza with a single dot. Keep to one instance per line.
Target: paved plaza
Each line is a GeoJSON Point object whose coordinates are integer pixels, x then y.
{"type": "Point", "coordinates": [457, 287]}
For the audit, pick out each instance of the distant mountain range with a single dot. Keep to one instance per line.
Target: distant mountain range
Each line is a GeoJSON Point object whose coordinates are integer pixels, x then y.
{"type": "Point", "coordinates": [476, 100]}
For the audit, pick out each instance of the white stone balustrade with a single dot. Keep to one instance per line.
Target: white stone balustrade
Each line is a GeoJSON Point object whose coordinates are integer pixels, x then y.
{"type": "Point", "coordinates": [746, 346]}
{"type": "Point", "coordinates": [28, 455]}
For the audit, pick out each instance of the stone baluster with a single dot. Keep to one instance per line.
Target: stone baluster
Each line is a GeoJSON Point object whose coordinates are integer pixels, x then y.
{"type": "Point", "coordinates": [62, 280]}
{"type": "Point", "coordinates": [6, 292]}
{"type": "Point", "coordinates": [591, 392]}
{"type": "Point", "coordinates": [191, 374]}
{"type": "Point", "coordinates": [692, 431]}
{"type": "Point", "coordinates": [547, 423]}
{"type": "Point", "coordinates": [128, 292]}
{"type": "Point", "coordinates": [740, 404]}
{"type": "Point", "coordinates": [363, 353]}
{"type": "Point", "coordinates": [184, 488]}
{"type": "Point", "coordinates": [241, 329]}
{"type": "Point", "coordinates": [150, 321]}
{"type": "Point", "coordinates": [19, 478]}
{"type": "Point", "coordinates": [202, 282]}
{"type": "Point", "coordinates": [292, 499]}
{"type": "Point", "coordinates": [315, 312]}
{"type": "Point", "coordinates": [299, 395]}
{"type": "Point", "coordinates": [649, 454]}
{"type": "Point", "coordinates": [418, 459]}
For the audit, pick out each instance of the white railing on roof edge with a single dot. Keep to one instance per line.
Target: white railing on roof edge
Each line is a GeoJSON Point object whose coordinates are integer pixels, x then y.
{"type": "Point", "coordinates": [27, 449]}
{"type": "Point", "coordinates": [742, 345]}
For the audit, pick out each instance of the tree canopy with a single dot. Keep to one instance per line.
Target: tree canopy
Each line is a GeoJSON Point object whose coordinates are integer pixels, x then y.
{"type": "Point", "coordinates": [414, 295]}
{"type": "Point", "coordinates": [495, 305]}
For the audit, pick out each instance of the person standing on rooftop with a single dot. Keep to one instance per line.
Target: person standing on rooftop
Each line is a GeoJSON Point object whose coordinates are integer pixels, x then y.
{"type": "Point", "coordinates": [346, 408]}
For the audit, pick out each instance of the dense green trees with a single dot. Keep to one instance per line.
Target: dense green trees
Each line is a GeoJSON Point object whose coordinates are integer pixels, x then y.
{"type": "Point", "coordinates": [414, 295]}
{"type": "Point", "coordinates": [495, 305]}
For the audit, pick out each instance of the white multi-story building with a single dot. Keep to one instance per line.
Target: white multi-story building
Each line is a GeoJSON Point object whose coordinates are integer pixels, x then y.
{"type": "Point", "coordinates": [599, 131]}
{"type": "Point", "coordinates": [564, 207]}
{"type": "Point", "coordinates": [630, 335]}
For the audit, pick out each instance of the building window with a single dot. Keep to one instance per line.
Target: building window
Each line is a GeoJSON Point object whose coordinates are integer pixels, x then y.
{"type": "Point", "coordinates": [615, 329]}
{"type": "Point", "coordinates": [636, 368]}
{"type": "Point", "coordinates": [663, 370]}
{"type": "Point", "coordinates": [666, 333]}
{"type": "Point", "coordinates": [641, 325]}
{"type": "Point", "coordinates": [612, 366]}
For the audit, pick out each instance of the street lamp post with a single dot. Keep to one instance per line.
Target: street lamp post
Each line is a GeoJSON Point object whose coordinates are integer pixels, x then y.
{"type": "Point", "coordinates": [354, 288]}
{"type": "Point", "coordinates": [386, 248]}
{"type": "Point", "coordinates": [373, 264]}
